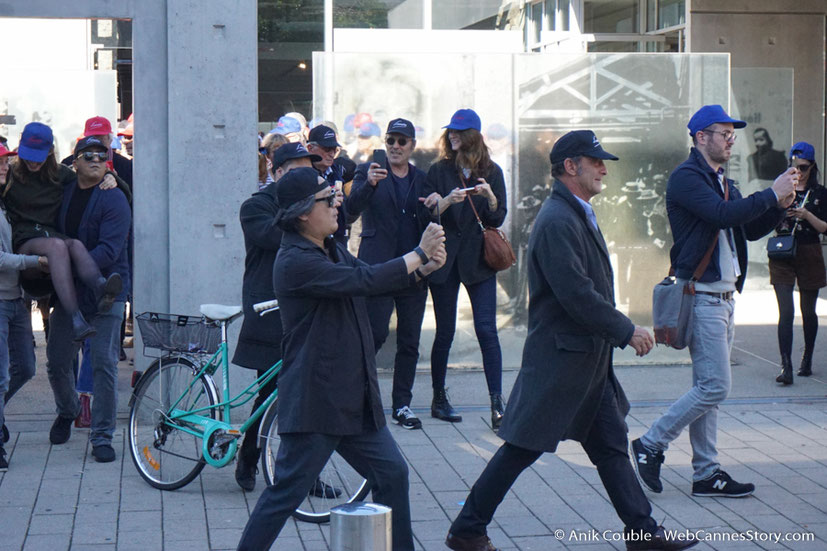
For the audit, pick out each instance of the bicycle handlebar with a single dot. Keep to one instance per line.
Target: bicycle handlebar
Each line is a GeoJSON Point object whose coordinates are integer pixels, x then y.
{"type": "Point", "coordinates": [264, 307]}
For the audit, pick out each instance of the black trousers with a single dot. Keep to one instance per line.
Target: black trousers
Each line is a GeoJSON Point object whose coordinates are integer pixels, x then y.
{"type": "Point", "coordinates": [300, 459]}
{"type": "Point", "coordinates": [250, 452]}
{"type": "Point", "coordinates": [606, 446]}
{"type": "Point", "coordinates": [410, 310]}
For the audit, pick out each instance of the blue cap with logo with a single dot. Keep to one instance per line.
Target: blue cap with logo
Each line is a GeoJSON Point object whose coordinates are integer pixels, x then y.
{"type": "Point", "coordinates": [803, 150]}
{"type": "Point", "coordinates": [324, 136]}
{"type": "Point", "coordinates": [290, 151]}
{"type": "Point", "coordinates": [401, 126]}
{"type": "Point", "coordinates": [578, 143]}
{"type": "Point", "coordinates": [464, 119]}
{"type": "Point", "coordinates": [287, 125]}
{"type": "Point", "coordinates": [35, 143]}
{"type": "Point", "coordinates": [708, 115]}
{"type": "Point", "coordinates": [87, 143]}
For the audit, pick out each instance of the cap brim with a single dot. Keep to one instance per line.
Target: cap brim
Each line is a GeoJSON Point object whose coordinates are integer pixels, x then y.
{"type": "Point", "coordinates": [8, 154]}
{"type": "Point", "coordinates": [605, 155]}
{"type": "Point", "coordinates": [313, 159]}
{"type": "Point", "coordinates": [33, 155]}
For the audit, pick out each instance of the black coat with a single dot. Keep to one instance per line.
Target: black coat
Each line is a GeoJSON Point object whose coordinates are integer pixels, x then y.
{"type": "Point", "coordinates": [463, 236]}
{"type": "Point", "coordinates": [572, 327]}
{"type": "Point", "coordinates": [382, 214]}
{"type": "Point", "coordinates": [259, 343]}
{"type": "Point", "coordinates": [328, 382]}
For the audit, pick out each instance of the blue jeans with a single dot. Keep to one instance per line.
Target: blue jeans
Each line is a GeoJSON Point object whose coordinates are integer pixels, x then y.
{"type": "Point", "coordinates": [710, 347]}
{"type": "Point", "coordinates": [17, 363]}
{"type": "Point", "coordinates": [483, 297]}
{"type": "Point", "coordinates": [104, 349]}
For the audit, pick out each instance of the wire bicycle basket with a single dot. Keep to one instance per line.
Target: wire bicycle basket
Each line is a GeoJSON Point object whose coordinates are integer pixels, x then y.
{"type": "Point", "coordinates": [179, 333]}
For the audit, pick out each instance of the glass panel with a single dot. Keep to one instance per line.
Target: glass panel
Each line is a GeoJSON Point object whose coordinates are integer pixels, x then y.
{"type": "Point", "coordinates": [563, 8]}
{"type": "Point", "coordinates": [609, 46]}
{"type": "Point", "coordinates": [671, 13]}
{"type": "Point", "coordinates": [373, 14]}
{"type": "Point", "coordinates": [637, 104]}
{"type": "Point", "coordinates": [549, 14]}
{"type": "Point", "coordinates": [465, 14]}
{"type": "Point", "coordinates": [610, 16]}
{"type": "Point", "coordinates": [535, 19]}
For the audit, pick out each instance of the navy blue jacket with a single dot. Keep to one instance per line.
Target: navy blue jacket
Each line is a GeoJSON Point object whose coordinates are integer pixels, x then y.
{"type": "Point", "coordinates": [103, 229]}
{"type": "Point", "coordinates": [697, 211]}
{"type": "Point", "coordinates": [387, 221]}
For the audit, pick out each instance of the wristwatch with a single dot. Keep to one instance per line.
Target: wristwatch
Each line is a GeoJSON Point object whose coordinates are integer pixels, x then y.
{"type": "Point", "coordinates": [422, 256]}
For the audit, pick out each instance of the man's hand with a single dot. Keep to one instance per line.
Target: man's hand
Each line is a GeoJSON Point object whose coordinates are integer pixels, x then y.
{"type": "Point", "coordinates": [432, 239]}
{"type": "Point", "coordinates": [431, 201]}
{"type": "Point", "coordinates": [376, 173]}
{"type": "Point", "coordinates": [437, 261]}
{"type": "Point", "coordinates": [43, 264]}
{"type": "Point", "coordinates": [642, 341]}
{"type": "Point", "coordinates": [109, 181]}
{"type": "Point", "coordinates": [784, 187]}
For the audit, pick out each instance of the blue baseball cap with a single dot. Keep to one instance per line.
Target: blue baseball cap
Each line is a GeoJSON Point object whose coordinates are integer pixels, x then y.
{"type": "Point", "coordinates": [324, 136]}
{"type": "Point", "coordinates": [290, 151]}
{"type": "Point", "coordinates": [464, 119]}
{"type": "Point", "coordinates": [87, 143]}
{"type": "Point", "coordinates": [401, 126]}
{"type": "Point", "coordinates": [36, 142]}
{"type": "Point", "coordinates": [803, 150]}
{"type": "Point", "coordinates": [369, 129]}
{"type": "Point", "coordinates": [709, 115]}
{"type": "Point", "coordinates": [287, 125]}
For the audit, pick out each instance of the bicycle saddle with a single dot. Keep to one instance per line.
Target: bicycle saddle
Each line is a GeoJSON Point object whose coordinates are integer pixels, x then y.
{"type": "Point", "coordinates": [219, 312]}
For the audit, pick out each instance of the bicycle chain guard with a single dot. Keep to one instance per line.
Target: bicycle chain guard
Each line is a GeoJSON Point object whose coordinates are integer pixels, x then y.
{"type": "Point", "coordinates": [218, 444]}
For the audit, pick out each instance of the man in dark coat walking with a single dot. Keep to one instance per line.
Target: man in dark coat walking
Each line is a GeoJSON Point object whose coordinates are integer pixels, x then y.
{"type": "Point", "coordinates": [566, 389]}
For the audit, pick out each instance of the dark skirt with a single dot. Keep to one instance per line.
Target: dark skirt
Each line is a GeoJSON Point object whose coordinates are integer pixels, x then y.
{"type": "Point", "coordinates": [24, 232]}
{"type": "Point", "coordinates": [807, 268]}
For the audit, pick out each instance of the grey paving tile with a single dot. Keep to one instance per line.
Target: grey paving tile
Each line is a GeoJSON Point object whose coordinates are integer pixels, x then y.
{"type": "Point", "coordinates": [51, 524]}
{"type": "Point", "coordinates": [47, 542]}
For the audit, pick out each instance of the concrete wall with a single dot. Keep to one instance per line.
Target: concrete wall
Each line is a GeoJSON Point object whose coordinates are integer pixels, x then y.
{"type": "Point", "coordinates": [772, 33]}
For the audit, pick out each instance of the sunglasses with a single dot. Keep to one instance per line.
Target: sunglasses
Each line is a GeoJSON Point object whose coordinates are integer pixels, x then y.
{"type": "Point", "coordinates": [91, 156]}
{"type": "Point", "coordinates": [392, 141]}
{"type": "Point", "coordinates": [804, 168]}
{"type": "Point", "coordinates": [331, 199]}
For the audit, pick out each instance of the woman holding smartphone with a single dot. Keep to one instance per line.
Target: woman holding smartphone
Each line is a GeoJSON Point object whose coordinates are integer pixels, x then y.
{"type": "Point", "coordinates": [465, 173]}
{"type": "Point", "coordinates": [807, 215]}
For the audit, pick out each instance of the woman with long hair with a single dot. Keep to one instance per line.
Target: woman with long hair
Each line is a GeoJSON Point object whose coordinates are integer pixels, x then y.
{"type": "Point", "coordinates": [464, 174]}
{"type": "Point", "coordinates": [33, 197]}
{"type": "Point", "coordinates": [808, 216]}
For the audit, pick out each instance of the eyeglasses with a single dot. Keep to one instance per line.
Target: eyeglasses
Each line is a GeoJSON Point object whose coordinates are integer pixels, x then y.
{"type": "Point", "coordinates": [90, 156]}
{"type": "Point", "coordinates": [331, 199]}
{"type": "Point", "coordinates": [392, 141]}
{"type": "Point", "coordinates": [728, 135]}
{"type": "Point", "coordinates": [804, 167]}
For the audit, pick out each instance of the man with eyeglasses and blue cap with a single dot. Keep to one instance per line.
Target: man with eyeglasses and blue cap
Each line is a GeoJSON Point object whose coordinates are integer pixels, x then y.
{"type": "Point", "coordinates": [711, 223]}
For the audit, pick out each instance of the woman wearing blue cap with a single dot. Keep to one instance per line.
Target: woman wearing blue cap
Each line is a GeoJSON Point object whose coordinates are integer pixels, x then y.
{"type": "Point", "coordinates": [33, 197]}
{"type": "Point", "coordinates": [807, 216]}
{"type": "Point", "coordinates": [465, 176]}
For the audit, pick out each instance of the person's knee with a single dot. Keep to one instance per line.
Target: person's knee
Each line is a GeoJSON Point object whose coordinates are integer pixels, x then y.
{"type": "Point", "coordinates": [715, 391]}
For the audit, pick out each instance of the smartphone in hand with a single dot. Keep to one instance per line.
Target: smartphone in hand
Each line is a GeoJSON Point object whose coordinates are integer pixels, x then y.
{"type": "Point", "coordinates": [468, 189]}
{"type": "Point", "coordinates": [380, 157]}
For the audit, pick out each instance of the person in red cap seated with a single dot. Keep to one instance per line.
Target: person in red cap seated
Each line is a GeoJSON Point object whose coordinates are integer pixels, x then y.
{"type": "Point", "coordinates": [117, 163]}
{"type": "Point", "coordinates": [33, 196]}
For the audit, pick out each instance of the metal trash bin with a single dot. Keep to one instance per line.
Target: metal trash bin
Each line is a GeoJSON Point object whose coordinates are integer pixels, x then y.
{"type": "Point", "coordinates": [360, 527]}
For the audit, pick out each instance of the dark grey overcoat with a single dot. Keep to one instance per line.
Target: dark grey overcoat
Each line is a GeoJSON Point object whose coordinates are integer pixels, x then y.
{"type": "Point", "coordinates": [572, 327]}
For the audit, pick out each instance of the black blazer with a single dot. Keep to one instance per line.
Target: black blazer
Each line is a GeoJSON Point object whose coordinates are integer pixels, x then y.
{"type": "Point", "coordinates": [382, 213]}
{"type": "Point", "coordinates": [463, 236]}
{"type": "Point", "coordinates": [259, 343]}
{"type": "Point", "coordinates": [572, 326]}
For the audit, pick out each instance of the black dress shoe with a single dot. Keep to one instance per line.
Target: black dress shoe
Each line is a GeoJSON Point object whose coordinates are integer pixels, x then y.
{"type": "Point", "coordinates": [245, 474]}
{"type": "Point", "coordinates": [497, 411]}
{"type": "Point", "coordinates": [103, 453]}
{"type": "Point", "coordinates": [660, 540]}
{"type": "Point", "coordinates": [479, 543]}
{"type": "Point", "coordinates": [441, 408]}
{"type": "Point", "coordinates": [320, 489]}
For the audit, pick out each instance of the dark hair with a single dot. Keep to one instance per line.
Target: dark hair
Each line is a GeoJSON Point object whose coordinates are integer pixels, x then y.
{"type": "Point", "coordinates": [766, 135]}
{"type": "Point", "coordinates": [289, 218]}
{"type": "Point", "coordinates": [812, 179]}
{"type": "Point", "coordinates": [473, 153]}
{"type": "Point", "coordinates": [559, 168]}
{"type": "Point", "coordinates": [49, 169]}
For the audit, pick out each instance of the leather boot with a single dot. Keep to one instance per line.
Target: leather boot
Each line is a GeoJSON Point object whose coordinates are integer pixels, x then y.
{"type": "Point", "coordinates": [107, 290]}
{"type": "Point", "coordinates": [441, 407]}
{"type": "Point", "coordinates": [497, 410]}
{"type": "Point", "coordinates": [786, 375]}
{"type": "Point", "coordinates": [80, 329]}
{"type": "Point", "coordinates": [806, 368]}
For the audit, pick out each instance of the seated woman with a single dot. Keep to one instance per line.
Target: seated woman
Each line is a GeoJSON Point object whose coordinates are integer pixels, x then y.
{"type": "Point", "coordinates": [33, 196]}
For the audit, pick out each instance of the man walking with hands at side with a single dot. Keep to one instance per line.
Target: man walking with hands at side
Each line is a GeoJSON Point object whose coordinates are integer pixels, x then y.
{"type": "Point", "coordinates": [706, 212]}
{"type": "Point", "coordinates": [566, 388]}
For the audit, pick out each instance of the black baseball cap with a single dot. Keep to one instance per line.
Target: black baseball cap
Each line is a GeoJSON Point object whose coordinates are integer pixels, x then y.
{"type": "Point", "coordinates": [87, 143]}
{"type": "Point", "coordinates": [290, 151]}
{"type": "Point", "coordinates": [297, 185]}
{"type": "Point", "coordinates": [401, 126]}
{"type": "Point", "coordinates": [324, 136]}
{"type": "Point", "coordinates": [577, 143]}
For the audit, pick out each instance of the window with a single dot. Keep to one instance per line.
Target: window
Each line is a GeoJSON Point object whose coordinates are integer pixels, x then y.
{"type": "Point", "coordinates": [611, 16]}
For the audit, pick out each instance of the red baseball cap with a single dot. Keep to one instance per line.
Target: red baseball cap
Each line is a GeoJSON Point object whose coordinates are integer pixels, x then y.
{"type": "Point", "coordinates": [97, 126]}
{"type": "Point", "coordinates": [128, 132]}
{"type": "Point", "coordinates": [5, 152]}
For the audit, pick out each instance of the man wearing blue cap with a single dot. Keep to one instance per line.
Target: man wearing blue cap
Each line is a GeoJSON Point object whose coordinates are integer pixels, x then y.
{"type": "Point", "coordinates": [566, 388]}
{"type": "Point", "coordinates": [710, 223]}
{"type": "Point", "coordinates": [322, 142]}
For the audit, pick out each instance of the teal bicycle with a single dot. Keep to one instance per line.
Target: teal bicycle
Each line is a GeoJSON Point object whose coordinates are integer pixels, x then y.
{"type": "Point", "coordinates": [179, 421]}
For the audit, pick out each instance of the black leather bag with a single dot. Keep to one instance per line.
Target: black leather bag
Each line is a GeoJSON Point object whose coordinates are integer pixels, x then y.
{"type": "Point", "coordinates": [781, 247]}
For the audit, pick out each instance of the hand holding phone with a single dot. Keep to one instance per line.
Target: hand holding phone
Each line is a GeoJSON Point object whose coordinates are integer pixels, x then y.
{"type": "Point", "coordinates": [468, 189]}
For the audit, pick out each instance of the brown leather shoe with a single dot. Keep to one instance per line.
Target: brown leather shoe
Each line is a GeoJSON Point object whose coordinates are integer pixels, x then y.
{"type": "Point", "coordinates": [480, 543]}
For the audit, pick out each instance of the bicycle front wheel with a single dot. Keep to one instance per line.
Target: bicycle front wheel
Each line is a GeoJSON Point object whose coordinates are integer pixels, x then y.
{"type": "Point", "coordinates": [167, 458]}
{"type": "Point", "coordinates": [337, 484]}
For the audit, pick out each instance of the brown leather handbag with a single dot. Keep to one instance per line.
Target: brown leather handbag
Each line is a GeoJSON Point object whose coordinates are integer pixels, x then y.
{"type": "Point", "coordinates": [496, 249]}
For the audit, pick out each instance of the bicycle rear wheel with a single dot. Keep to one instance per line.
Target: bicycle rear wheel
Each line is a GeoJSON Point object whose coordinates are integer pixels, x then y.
{"type": "Point", "coordinates": [167, 458]}
{"type": "Point", "coordinates": [336, 475]}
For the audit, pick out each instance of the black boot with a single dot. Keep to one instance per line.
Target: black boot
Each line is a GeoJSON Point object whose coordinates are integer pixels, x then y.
{"type": "Point", "coordinates": [806, 368]}
{"type": "Point", "coordinates": [107, 291]}
{"type": "Point", "coordinates": [441, 407]}
{"type": "Point", "coordinates": [245, 472]}
{"type": "Point", "coordinates": [80, 329]}
{"type": "Point", "coordinates": [786, 375]}
{"type": "Point", "coordinates": [497, 410]}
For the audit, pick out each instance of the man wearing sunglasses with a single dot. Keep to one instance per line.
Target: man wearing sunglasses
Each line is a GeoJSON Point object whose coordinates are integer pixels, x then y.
{"type": "Point", "coordinates": [393, 218]}
{"type": "Point", "coordinates": [100, 220]}
{"type": "Point", "coordinates": [328, 388]}
{"type": "Point", "coordinates": [322, 143]}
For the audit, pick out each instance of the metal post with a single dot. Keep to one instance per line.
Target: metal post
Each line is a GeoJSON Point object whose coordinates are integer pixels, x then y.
{"type": "Point", "coordinates": [360, 527]}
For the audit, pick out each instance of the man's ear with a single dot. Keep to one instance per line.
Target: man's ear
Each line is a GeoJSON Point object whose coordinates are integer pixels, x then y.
{"type": "Point", "coordinates": [571, 167]}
